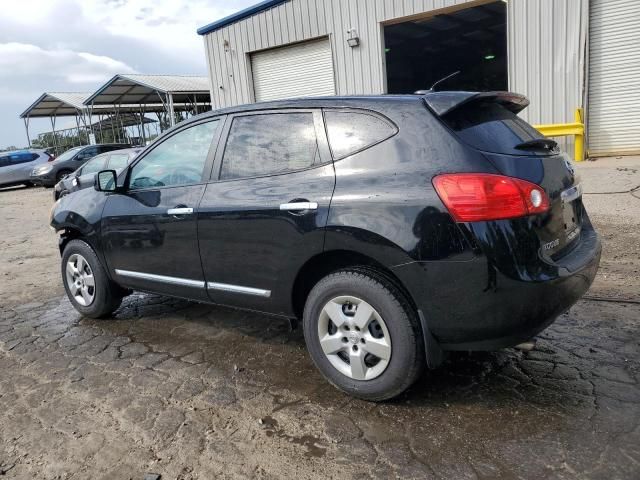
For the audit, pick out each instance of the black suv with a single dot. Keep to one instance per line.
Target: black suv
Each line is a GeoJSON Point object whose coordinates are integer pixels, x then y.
{"type": "Point", "coordinates": [396, 227]}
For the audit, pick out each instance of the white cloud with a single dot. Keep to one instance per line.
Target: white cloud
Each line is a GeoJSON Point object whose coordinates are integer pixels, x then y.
{"type": "Point", "coordinates": [77, 45]}
{"type": "Point", "coordinates": [25, 60]}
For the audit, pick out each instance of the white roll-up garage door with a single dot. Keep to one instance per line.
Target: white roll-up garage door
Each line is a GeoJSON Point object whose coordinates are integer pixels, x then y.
{"type": "Point", "coordinates": [300, 70]}
{"type": "Point", "coordinates": [614, 77]}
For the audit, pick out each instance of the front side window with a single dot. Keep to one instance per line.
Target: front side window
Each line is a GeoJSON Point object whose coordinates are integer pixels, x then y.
{"type": "Point", "coordinates": [93, 166]}
{"type": "Point", "coordinates": [179, 160]}
{"type": "Point", "coordinates": [351, 132]}
{"type": "Point", "coordinates": [87, 153]}
{"type": "Point", "coordinates": [268, 144]}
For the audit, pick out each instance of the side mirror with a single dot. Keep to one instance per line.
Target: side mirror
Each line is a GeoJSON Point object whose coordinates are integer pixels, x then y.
{"type": "Point", "coordinates": [105, 181]}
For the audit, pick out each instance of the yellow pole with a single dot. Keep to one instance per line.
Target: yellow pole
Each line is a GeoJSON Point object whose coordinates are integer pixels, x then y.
{"type": "Point", "coordinates": [579, 139]}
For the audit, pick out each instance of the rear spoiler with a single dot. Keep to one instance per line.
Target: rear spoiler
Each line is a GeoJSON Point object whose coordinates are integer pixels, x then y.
{"type": "Point", "coordinates": [445, 102]}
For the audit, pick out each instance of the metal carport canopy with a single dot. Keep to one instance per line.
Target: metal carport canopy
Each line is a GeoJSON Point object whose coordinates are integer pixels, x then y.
{"type": "Point", "coordinates": [66, 104]}
{"type": "Point", "coordinates": [146, 89]}
{"type": "Point", "coordinates": [57, 104]}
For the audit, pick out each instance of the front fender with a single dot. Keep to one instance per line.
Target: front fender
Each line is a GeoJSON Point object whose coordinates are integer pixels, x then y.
{"type": "Point", "coordinates": [78, 215]}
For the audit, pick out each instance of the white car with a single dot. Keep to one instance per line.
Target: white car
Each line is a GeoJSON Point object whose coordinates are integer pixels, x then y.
{"type": "Point", "coordinates": [16, 166]}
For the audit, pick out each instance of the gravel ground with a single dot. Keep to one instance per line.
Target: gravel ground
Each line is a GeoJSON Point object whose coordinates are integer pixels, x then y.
{"type": "Point", "coordinates": [194, 391]}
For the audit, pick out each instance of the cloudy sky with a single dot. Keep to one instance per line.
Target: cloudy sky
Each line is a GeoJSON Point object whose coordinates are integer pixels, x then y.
{"type": "Point", "coordinates": [76, 45]}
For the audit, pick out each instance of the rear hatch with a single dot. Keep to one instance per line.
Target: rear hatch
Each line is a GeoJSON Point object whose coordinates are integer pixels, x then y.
{"type": "Point", "coordinates": [488, 122]}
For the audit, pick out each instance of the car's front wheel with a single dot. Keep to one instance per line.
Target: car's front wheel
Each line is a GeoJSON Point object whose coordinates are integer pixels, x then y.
{"type": "Point", "coordinates": [90, 290]}
{"type": "Point", "coordinates": [363, 335]}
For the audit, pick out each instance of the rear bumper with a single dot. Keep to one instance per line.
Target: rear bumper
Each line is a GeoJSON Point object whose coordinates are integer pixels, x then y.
{"type": "Point", "coordinates": [471, 305]}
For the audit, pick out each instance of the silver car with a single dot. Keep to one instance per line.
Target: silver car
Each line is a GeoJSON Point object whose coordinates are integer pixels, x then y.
{"type": "Point", "coordinates": [84, 176]}
{"type": "Point", "coordinates": [16, 166]}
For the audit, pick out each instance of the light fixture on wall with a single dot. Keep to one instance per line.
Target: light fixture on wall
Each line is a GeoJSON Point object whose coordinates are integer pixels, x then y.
{"type": "Point", "coordinates": [225, 44]}
{"type": "Point", "coordinates": [353, 39]}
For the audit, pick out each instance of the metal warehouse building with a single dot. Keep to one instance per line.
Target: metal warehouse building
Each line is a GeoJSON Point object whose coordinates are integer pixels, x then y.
{"type": "Point", "coordinates": [562, 54]}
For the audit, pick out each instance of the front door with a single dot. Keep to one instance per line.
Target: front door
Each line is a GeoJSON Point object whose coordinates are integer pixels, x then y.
{"type": "Point", "coordinates": [150, 230]}
{"type": "Point", "coordinates": [263, 215]}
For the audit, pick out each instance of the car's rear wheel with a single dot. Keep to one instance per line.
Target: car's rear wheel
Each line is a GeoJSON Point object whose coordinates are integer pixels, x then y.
{"type": "Point", "coordinates": [363, 334]}
{"type": "Point", "coordinates": [90, 290]}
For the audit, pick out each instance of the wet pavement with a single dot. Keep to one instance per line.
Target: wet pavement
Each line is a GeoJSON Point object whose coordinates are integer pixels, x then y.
{"type": "Point", "coordinates": [194, 391]}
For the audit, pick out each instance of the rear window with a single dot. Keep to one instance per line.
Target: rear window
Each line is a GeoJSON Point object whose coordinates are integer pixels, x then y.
{"type": "Point", "coordinates": [490, 127]}
{"type": "Point", "coordinates": [352, 132]}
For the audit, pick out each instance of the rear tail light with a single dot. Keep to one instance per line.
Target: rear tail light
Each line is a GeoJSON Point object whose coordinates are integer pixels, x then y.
{"type": "Point", "coordinates": [474, 197]}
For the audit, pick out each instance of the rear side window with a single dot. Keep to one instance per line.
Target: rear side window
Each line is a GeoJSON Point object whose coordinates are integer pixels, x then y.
{"type": "Point", "coordinates": [268, 144]}
{"type": "Point", "coordinates": [351, 132]}
{"type": "Point", "coordinates": [17, 158]}
{"type": "Point", "coordinates": [490, 127]}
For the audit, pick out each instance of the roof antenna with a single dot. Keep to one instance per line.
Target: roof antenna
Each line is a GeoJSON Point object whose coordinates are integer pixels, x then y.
{"type": "Point", "coordinates": [433, 87]}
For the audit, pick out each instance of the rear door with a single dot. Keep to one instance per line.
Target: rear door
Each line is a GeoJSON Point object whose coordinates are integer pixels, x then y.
{"type": "Point", "coordinates": [149, 231]}
{"type": "Point", "coordinates": [263, 215]}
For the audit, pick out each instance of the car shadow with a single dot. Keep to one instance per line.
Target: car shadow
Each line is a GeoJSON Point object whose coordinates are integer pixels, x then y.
{"type": "Point", "coordinates": [266, 346]}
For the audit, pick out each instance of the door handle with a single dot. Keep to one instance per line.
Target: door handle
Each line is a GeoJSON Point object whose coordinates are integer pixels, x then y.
{"type": "Point", "coordinates": [297, 206]}
{"type": "Point", "coordinates": [180, 211]}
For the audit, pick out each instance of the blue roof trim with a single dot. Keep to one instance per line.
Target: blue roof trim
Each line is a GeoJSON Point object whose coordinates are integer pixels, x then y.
{"type": "Point", "coordinates": [247, 12]}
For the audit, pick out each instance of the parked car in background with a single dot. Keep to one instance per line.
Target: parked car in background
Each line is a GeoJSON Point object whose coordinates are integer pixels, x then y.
{"type": "Point", "coordinates": [50, 174]}
{"type": "Point", "coordinates": [84, 176]}
{"type": "Point", "coordinates": [16, 166]}
{"type": "Point", "coordinates": [396, 227]}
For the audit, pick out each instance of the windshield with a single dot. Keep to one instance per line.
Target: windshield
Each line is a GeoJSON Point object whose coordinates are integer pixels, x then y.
{"type": "Point", "coordinates": [68, 154]}
{"type": "Point", "coordinates": [490, 127]}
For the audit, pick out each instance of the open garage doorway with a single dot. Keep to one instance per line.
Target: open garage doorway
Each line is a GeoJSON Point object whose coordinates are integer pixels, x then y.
{"type": "Point", "coordinates": [473, 40]}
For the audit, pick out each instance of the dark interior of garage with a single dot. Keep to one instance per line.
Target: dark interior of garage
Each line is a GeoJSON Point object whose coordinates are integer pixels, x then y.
{"type": "Point", "coordinates": [472, 40]}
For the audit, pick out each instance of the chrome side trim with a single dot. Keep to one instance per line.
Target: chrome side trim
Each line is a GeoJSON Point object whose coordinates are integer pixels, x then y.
{"type": "Point", "coordinates": [184, 282]}
{"type": "Point", "coordinates": [225, 287]}
{"type": "Point", "coordinates": [299, 206]}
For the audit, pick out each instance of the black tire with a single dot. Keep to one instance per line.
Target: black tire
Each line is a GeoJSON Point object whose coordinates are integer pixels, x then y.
{"type": "Point", "coordinates": [61, 174]}
{"type": "Point", "coordinates": [407, 358]}
{"type": "Point", "coordinates": [106, 295]}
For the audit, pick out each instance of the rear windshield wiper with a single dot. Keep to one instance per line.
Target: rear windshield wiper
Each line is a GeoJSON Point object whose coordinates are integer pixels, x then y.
{"type": "Point", "coordinates": [538, 144]}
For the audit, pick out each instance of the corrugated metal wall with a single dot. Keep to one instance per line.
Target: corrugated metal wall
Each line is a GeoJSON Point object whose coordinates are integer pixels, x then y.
{"type": "Point", "coordinates": [614, 77]}
{"type": "Point", "coordinates": [357, 70]}
{"type": "Point", "coordinates": [546, 44]}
